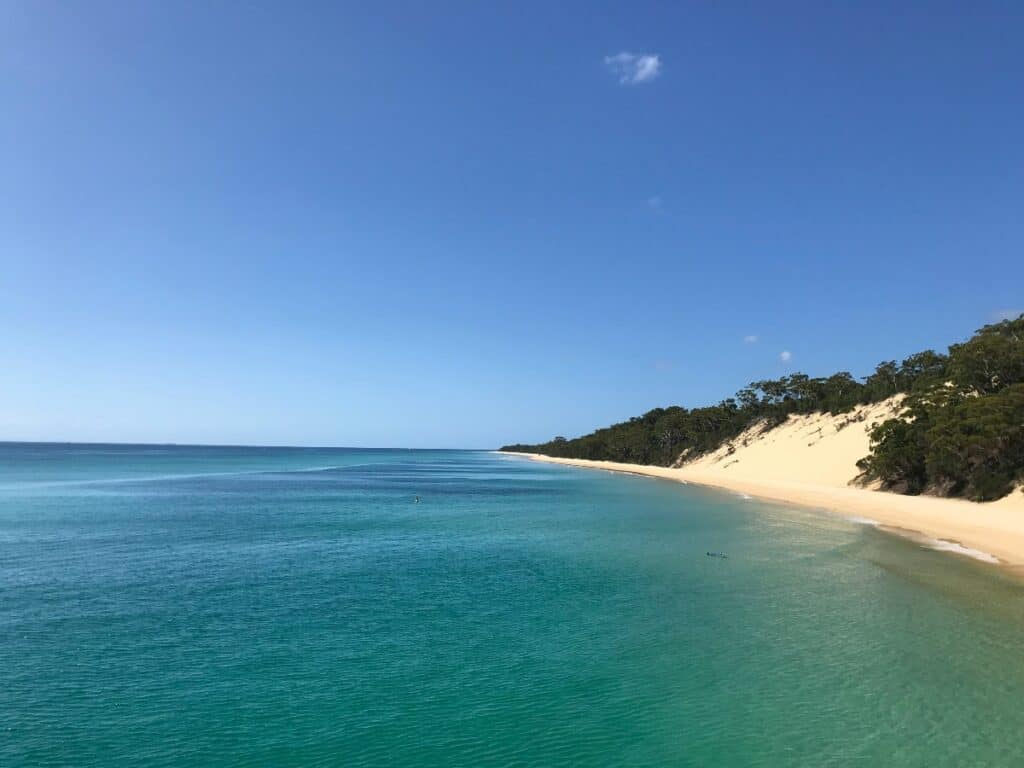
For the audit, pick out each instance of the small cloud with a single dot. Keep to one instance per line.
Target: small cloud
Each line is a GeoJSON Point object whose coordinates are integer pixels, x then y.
{"type": "Point", "coordinates": [662, 365]}
{"type": "Point", "coordinates": [785, 356]}
{"type": "Point", "coordinates": [1007, 314]}
{"type": "Point", "coordinates": [656, 204]}
{"type": "Point", "coordinates": [634, 68]}
{"type": "Point", "coordinates": [751, 339]}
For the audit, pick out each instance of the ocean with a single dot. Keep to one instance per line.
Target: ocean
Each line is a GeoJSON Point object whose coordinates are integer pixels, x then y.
{"type": "Point", "coordinates": [180, 606]}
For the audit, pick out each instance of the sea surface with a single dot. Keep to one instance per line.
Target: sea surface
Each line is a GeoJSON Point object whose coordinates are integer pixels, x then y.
{"type": "Point", "coordinates": [186, 606]}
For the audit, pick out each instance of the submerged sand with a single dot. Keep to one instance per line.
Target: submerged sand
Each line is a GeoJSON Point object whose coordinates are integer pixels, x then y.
{"type": "Point", "coordinates": [812, 460]}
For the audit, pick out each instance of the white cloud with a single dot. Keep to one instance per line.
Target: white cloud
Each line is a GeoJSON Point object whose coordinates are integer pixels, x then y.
{"type": "Point", "coordinates": [655, 203]}
{"type": "Point", "coordinates": [634, 68]}
{"type": "Point", "coordinates": [751, 339]}
{"type": "Point", "coordinates": [785, 356]}
{"type": "Point", "coordinates": [1007, 314]}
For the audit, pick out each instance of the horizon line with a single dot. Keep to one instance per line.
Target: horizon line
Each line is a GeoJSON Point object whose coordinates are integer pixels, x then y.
{"type": "Point", "coordinates": [233, 445]}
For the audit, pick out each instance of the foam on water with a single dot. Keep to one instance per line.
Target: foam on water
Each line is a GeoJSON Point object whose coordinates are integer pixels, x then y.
{"type": "Point", "coordinates": [939, 545]}
{"type": "Point", "coordinates": [942, 545]}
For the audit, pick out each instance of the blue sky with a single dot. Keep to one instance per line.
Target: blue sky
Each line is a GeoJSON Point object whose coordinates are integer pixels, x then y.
{"type": "Point", "coordinates": [454, 224]}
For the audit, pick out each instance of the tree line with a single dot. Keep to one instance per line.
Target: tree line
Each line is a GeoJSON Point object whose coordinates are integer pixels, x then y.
{"type": "Point", "coordinates": [961, 433]}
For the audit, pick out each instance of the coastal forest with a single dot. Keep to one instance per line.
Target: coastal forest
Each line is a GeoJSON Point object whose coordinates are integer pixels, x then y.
{"type": "Point", "coordinates": [960, 431]}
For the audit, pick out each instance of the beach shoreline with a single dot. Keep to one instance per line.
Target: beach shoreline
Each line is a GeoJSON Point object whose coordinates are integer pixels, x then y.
{"type": "Point", "coordinates": [990, 532]}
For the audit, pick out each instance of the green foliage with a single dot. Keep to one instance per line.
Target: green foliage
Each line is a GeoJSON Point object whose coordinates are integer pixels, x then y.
{"type": "Point", "coordinates": [661, 436]}
{"type": "Point", "coordinates": [976, 449]}
{"type": "Point", "coordinates": [962, 432]}
{"type": "Point", "coordinates": [952, 444]}
{"type": "Point", "coordinates": [897, 456]}
{"type": "Point", "coordinates": [991, 360]}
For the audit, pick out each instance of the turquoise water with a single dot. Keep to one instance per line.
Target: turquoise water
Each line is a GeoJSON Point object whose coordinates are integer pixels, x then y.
{"type": "Point", "coordinates": [174, 606]}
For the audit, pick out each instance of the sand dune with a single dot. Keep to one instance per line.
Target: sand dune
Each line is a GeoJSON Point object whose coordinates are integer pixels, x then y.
{"type": "Point", "coordinates": [818, 449]}
{"type": "Point", "coordinates": [811, 460]}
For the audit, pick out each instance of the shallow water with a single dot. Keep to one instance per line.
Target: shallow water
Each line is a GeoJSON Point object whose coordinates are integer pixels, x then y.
{"type": "Point", "coordinates": [233, 606]}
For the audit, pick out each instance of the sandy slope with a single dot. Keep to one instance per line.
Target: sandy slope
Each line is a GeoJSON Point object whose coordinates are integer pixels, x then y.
{"type": "Point", "coordinates": [810, 460]}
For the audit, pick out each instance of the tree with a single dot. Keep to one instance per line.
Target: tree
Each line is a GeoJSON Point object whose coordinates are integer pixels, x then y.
{"type": "Point", "coordinates": [988, 362]}
{"type": "Point", "coordinates": [961, 431]}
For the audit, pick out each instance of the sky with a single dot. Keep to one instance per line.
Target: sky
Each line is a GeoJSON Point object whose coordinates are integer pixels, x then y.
{"type": "Point", "coordinates": [466, 224]}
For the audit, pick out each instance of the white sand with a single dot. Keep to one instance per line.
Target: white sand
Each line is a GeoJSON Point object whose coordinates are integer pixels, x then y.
{"type": "Point", "coordinates": [811, 460]}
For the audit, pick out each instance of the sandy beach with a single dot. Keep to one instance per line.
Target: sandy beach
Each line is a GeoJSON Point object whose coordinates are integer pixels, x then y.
{"type": "Point", "coordinates": [811, 460]}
